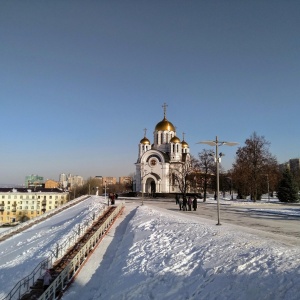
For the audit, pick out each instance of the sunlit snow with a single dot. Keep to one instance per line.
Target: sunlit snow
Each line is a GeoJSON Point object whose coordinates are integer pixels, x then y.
{"type": "Point", "coordinates": [152, 253]}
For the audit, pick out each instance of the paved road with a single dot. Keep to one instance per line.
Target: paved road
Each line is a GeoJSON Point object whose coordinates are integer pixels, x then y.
{"type": "Point", "coordinates": [283, 228]}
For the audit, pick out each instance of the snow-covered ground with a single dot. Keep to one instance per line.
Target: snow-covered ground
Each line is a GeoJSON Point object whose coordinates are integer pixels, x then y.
{"type": "Point", "coordinates": [158, 254]}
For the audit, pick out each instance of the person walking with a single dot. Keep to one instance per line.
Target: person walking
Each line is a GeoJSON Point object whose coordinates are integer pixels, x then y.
{"type": "Point", "coordinates": [180, 203]}
{"type": "Point", "coordinates": [190, 203]}
{"type": "Point", "coordinates": [184, 203]}
{"type": "Point", "coordinates": [177, 199]}
{"type": "Point", "coordinates": [195, 204]}
{"type": "Point", "coordinates": [47, 279]}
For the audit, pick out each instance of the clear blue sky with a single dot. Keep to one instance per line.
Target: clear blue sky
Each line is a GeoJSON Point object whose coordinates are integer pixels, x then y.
{"type": "Point", "coordinates": [80, 80]}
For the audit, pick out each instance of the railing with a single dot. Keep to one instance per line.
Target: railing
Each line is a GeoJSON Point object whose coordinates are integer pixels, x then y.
{"type": "Point", "coordinates": [57, 252]}
{"type": "Point", "coordinates": [62, 280]}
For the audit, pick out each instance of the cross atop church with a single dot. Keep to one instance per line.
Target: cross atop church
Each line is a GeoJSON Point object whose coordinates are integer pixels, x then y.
{"type": "Point", "coordinates": [183, 136]}
{"type": "Point", "coordinates": [145, 132]}
{"type": "Point", "coordinates": [165, 109]}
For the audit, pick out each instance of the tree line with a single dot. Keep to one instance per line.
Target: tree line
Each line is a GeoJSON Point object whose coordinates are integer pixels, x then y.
{"type": "Point", "coordinates": [254, 172]}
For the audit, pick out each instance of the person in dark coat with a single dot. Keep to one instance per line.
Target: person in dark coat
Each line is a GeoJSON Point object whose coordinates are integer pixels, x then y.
{"type": "Point", "coordinates": [177, 199]}
{"type": "Point", "coordinates": [195, 203]}
{"type": "Point", "coordinates": [184, 203]}
{"type": "Point", "coordinates": [180, 203]}
{"type": "Point", "coordinates": [190, 203]}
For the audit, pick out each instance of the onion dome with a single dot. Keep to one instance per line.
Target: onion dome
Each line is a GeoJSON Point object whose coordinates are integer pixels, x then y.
{"type": "Point", "coordinates": [175, 139]}
{"type": "Point", "coordinates": [164, 125]}
{"type": "Point", "coordinates": [145, 141]}
{"type": "Point", "coordinates": [184, 144]}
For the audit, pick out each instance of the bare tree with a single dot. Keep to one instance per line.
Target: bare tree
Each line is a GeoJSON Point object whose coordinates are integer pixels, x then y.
{"type": "Point", "coordinates": [206, 166]}
{"type": "Point", "coordinates": [182, 175]}
{"type": "Point", "coordinates": [254, 165]}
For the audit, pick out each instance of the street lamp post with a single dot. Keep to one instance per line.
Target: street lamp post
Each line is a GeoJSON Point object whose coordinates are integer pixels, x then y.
{"type": "Point", "coordinates": [105, 193]}
{"type": "Point", "coordinates": [216, 144]}
{"type": "Point", "coordinates": [142, 182]}
{"type": "Point", "coordinates": [268, 187]}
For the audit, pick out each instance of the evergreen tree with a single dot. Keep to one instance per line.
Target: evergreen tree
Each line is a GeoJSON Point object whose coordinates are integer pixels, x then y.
{"type": "Point", "coordinates": [287, 189]}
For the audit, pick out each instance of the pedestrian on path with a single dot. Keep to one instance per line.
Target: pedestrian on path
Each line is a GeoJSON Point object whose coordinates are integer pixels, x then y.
{"type": "Point", "coordinates": [180, 202]}
{"type": "Point", "coordinates": [195, 204]}
{"type": "Point", "coordinates": [184, 203]}
{"type": "Point", "coordinates": [190, 203]}
{"type": "Point", "coordinates": [47, 279]}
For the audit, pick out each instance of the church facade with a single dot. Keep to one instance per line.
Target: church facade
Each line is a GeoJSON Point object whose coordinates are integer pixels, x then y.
{"type": "Point", "coordinates": [157, 161]}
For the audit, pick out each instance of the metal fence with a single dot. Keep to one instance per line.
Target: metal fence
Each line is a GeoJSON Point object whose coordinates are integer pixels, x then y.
{"type": "Point", "coordinates": [61, 282]}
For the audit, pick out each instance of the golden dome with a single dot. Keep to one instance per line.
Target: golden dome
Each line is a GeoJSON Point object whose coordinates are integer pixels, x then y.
{"type": "Point", "coordinates": [184, 144]}
{"type": "Point", "coordinates": [175, 139]}
{"type": "Point", "coordinates": [145, 141]}
{"type": "Point", "coordinates": [164, 125]}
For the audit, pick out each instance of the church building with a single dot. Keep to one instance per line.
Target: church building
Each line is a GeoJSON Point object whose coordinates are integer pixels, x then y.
{"type": "Point", "coordinates": [157, 161]}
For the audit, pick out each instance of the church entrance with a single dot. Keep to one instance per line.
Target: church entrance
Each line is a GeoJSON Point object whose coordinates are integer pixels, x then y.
{"type": "Point", "coordinates": [153, 188]}
{"type": "Point", "coordinates": [150, 187]}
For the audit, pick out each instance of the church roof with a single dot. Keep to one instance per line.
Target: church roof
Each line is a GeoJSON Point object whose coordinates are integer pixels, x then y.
{"type": "Point", "coordinates": [175, 139]}
{"type": "Point", "coordinates": [164, 125]}
{"type": "Point", "coordinates": [184, 144]}
{"type": "Point", "coordinates": [145, 141]}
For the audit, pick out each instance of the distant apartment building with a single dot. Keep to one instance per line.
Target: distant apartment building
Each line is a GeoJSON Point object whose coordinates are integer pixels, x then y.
{"type": "Point", "coordinates": [22, 204]}
{"type": "Point", "coordinates": [75, 180]}
{"type": "Point", "coordinates": [284, 166]}
{"type": "Point", "coordinates": [69, 181]}
{"type": "Point", "coordinates": [63, 180]}
{"type": "Point", "coordinates": [293, 165]}
{"type": "Point", "coordinates": [51, 184]}
{"type": "Point", "coordinates": [34, 181]}
{"type": "Point", "coordinates": [126, 180]}
{"type": "Point", "coordinates": [109, 180]}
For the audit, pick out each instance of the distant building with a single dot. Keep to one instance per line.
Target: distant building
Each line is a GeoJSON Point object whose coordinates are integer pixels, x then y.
{"type": "Point", "coordinates": [109, 180]}
{"type": "Point", "coordinates": [126, 180]}
{"type": "Point", "coordinates": [69, 181]}
{"type": "Point", "coordinates": [294, 166]}
{"type": "Point", "coordinates": [284, 166]}
{"type": "Point", "coordinates": [75, 180]}
{"type": "Point", "coordinates": [22, 204]}
{"type": "Point", "coordinates": [33, 181]}
{"type": "Point", "coordinates": [63, 181]}
{"type": "Point", "coordinates": [51, 184]}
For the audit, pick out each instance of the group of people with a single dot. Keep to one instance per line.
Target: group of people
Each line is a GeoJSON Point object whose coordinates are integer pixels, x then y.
{"type": "Point", "coordinates": [186, 203]}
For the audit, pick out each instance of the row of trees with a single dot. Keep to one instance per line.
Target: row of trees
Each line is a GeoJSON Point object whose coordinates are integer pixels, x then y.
{"type": "Point", "coordinates": [254, 172]}
{"type": "Point", "coordinates": [92, 185]}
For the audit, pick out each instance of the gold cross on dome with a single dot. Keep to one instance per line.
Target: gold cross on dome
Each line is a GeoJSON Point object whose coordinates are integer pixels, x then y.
{"type": "Point", "coordinates": [165, 109]}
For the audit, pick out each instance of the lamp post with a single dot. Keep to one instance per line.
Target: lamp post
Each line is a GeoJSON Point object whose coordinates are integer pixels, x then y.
{"type": "Point", "coordinates": [142, 182]}
{"type": "Point", "coordinates": [105, 193]}
{"type": "Point", "coordinates": [268, 187]}
{"type": "Point", "coordinates": [218, 156]}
